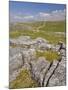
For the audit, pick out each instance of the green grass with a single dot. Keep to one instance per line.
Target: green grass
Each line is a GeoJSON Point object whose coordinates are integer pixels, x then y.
{"type": "Point", "coordinates": [24, 80]}
{"type": "Point", "coordinates": [51, 37]}
{"type": "Point", "coordinates": [46, 32]}
{"type": "Point", "coordinates": [54, 26]}
{"type": "Point", "coordinates": [49, 55]}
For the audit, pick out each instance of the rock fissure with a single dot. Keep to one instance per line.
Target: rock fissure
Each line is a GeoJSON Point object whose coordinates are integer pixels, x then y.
{"type": "Point", "coordinates": [41, 69]}
{"type": "Point", "coordinates": [45, 73]}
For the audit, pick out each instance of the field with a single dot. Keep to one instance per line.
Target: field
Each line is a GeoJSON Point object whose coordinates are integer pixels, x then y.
{"type": "Point", "coordinates": [52, 31]}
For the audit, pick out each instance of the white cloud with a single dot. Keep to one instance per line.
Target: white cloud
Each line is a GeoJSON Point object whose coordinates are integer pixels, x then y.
{"type": "Point", "coordinates": [55, 15]}
{"type": "Point", "coordinates": [17, 17]}
{"type": "Point", "coordinates": [59, 11]}
{"type": "Point", "coordinates": [56, 11]}
{"type": "Point", "coordinates": [59, 14]}
{"type": "Point", "coordinates": [52, 16]}
{"type": "Point", "coordinates": [28, 17]}
{"type": "Point", "coordinates": [44, 14]}
{"type": "Point", "coordinates": [23, 17]}
{"type": "Point", "coordinates": [20, 17]}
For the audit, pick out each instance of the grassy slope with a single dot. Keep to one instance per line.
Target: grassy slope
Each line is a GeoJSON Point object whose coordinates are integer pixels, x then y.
{"type": "Point", "coordinates": [45, 31]}
{"type": "Point", "coordinates": [54, 26]}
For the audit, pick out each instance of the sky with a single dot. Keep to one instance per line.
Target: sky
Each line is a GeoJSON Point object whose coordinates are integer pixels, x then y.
{"type": "Point", "coordinates": [29, 11]}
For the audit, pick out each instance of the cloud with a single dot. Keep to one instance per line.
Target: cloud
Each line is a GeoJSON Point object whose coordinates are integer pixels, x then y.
{"type": "Point", "coordinates": [28, 17]}
{"type": "Point", "coordinates": [55, 15]}
{"type": "Point", "coordinates": [17, 17]}
{"type": "Point", "coordinates": [42, 14]}
{"type": "Point", "coordinates": [59, 14]}
{"type": "Point", "coordinates": [20, 17]}
{"type": "Point", "coordinates": [59, 11]}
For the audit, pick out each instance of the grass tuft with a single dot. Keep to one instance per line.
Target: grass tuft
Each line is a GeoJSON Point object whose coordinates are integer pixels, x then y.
{"type": "Point", "coordinates": [49, 55]}
{"type": "Point", "coordinates": [24, 80]}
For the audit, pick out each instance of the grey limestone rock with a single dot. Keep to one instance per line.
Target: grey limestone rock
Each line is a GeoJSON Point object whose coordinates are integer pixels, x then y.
{"type": "Point", "coordinates": [59, 76]}
{"type": "Point", "coordinates": [39, 68]}
{"type": "Point", "coordinates": [50, 72]}
{"type": "Point", "coordinates": [44, 72]}
{"type": "Point", "coordinates": [15, 63]}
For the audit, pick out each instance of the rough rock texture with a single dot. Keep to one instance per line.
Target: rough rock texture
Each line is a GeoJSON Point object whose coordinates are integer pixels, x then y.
{"type": "Point", "coordinates": [39, 68]}
{"type": "Point", "coordinates": [16, 62]}
{"type": "Point", "coordinates": [58, 78]}
{"type": "Point", "coordinates": [50, 72]}
{"type": "Point", "coordinates": [19, 58]}
{"type": "Point", "coordinates": [44, 72]}
{"type": "Point", "coordinates": [25, 41]}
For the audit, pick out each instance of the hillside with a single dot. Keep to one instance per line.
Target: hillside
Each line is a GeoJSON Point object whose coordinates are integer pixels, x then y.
{"type": "Point", "coordinates": [52, 31]}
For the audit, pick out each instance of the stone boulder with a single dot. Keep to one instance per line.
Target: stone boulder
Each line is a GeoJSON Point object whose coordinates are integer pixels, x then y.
{"type": "Point", "coordinates": [50, 72]}
{"type": "Point", "coordinates": [14, 51]}
{"type": "Point", "coordinates": [29, 55]}
{"type": "Point", "coordinates": [59, 76]}
{"type": "Point", "coordinates": [15, 62]}
{"type": "Point", "coordinates": [39, 68]}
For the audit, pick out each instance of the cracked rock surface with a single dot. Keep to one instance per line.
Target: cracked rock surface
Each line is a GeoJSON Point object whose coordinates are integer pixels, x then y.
{"type": "Point", "coordinates": [44, 72]}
